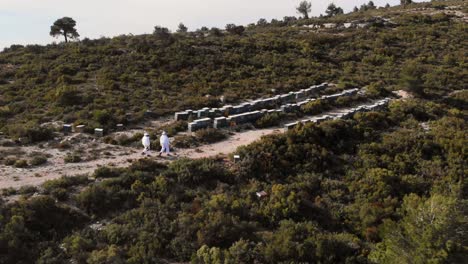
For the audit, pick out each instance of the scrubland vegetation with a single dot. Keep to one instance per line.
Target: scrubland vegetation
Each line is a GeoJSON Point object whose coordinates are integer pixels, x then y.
{"type": "Point", "coordinates": [97, 82]}
{"type": "Point", "coordinates": [342, 191]}
{"type": "Point", "coordinates": [382, 187]}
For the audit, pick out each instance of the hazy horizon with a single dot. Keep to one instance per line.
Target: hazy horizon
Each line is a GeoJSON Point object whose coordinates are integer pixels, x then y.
{"type": "Point", "coordinates": [28, 21]}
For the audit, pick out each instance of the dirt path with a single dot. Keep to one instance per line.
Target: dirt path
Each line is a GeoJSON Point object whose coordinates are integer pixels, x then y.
{"type": "Point", "coordinates": [118, 157]}
{"type": "Point", "coordinates": [97, 154]}
{"type": "Point", "coordinates": [228, 146]}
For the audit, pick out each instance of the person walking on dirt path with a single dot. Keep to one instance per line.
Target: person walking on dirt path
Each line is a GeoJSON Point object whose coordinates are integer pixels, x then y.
{"type": "Point", "coordinates": [146, 143]}
{"type": "Point", "coordinates": [164, 140]}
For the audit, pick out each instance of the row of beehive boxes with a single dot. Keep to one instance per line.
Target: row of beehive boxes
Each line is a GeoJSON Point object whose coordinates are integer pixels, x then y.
{"type": "Point", "coordinates": [252, 116]}
{"type": "Point", "coordinates": [220, 122]}
{"type": "Point", "coordinates": [329, 98]}
{"type": "Point", "coordinates": [68, 128]}
{"type": "Point", "coordinates": [259, 104]}
{"type": "Point", "coordinates": [343, 114]}
{"type": "Point", "coordinates": [337, 95]}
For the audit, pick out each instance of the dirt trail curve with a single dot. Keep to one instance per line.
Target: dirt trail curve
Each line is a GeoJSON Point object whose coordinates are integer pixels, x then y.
{"type": "Point", "coordinates": [121, 157]}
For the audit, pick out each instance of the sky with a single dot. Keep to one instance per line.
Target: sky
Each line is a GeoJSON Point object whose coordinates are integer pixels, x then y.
{"type": "Point", "coordinates": [28, 21]}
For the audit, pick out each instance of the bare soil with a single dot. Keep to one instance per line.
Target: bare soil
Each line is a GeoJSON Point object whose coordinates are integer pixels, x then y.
{"type": "Point", "coordinates": [403, 94]}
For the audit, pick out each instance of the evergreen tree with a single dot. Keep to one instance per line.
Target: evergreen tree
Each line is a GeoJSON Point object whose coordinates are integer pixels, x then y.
{"type": "Point", "coordinates": [405, 2]}
{"type": "Point", "coordinates": [431, 231]}
{"type": "Point", "coordinates": [233, 29]}
{"type": "Point", "coordinates": [65, 27]}
{"type": "Point", "coordinates": [411, 78]}
{"type": "Point", "coordinates": [161, 32]}
{"type": "Point", "coordinates": [333, 10]}
{"type": "Point", "coordinates": [304, 8]}
{"type": "Point", "coordinates": [182, 28]}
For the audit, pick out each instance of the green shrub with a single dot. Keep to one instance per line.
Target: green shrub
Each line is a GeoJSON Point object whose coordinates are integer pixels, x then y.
{"type": "Point", "coordinates": [124, 140]}
{"type": "Point", "coordinates": [28, 189]}
{"type": "Point", "coordinates": [147, 165]}
{"type": "Point", "coordinates": [67, 96]}
{"type": "Point", "coordinates": [5, 111]}
{"type": "Point", "coordinates": [72, 158]}
{"type": "Point", "coordinates": [38, 160]}
{"type": "Point", "coordinates": [9, 191]}
{"type": "Point", "coordinates": [105, 118]}
{"type": "Point", "coordinates": [314, 107]}
{"type": "Point", "coordinates": [210, 135]}
{"type": "Point", "coordinates": [21, 163]}
{"type": "Point", "coordinates": [99, 200]}
{"type": "Point", "coordinates": [375, 90]}
{"type": "Point", "coordinates": [269, 120]}
{"type": "Point", "coordinates": [106, 172]}
{"type": "Point", "coordinates": [173, 128]}
{"type": "Point", "coordinates": [60, 193]}
{"type": "Point", "coordinates": [30, 131]}
{"type": "Point", "coordinates": [185, 141]}
{"type": "Point", "coordinates": [10, 161]}
{"type": "Point", "coordinates": [344, 101]}
{"type": "Point", "coordinates": [110, 140]}
{"type": "Point", "coordinates": [196, 171]}
{"type": "Point", "coordinates": [64, 182]}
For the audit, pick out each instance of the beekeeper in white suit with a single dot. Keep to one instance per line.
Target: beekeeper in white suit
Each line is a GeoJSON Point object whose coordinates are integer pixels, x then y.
{"type": "Point", "coordinates": [164, 140]}
{"type": "Point", "coordinates": [146, 143]}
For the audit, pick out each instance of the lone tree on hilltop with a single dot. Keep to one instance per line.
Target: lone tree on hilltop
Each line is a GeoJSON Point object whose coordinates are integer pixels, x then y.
{"type": "Point", "coordinates": [304, 8]}
{"type": "Point", "coordinates": [162, 32]}
{"type": "Point", "coordinates": [405, 2]}
{"type": "Point", "coordinates": [182, 28]}
{"type": "Point", "coordinates": [368, 6]}
{"type": "Point", "coordinates": [262, 22]}
{"type": "Point", "coordinates": [164, 35]}
{"type": "Point", "coordinates": [233, 29]}
{"type": "Point", "coordinates": [333, 10]}
{"type": "Point", "coordinates": [64, 26]}
{"type": "Point", "coordinates": [216, 32]}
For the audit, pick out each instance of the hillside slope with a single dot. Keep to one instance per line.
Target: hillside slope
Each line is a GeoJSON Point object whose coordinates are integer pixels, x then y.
{"type": "Point", "coordinates": [98, 82]}
{"type": "Point", "coordinates": [383, 186]}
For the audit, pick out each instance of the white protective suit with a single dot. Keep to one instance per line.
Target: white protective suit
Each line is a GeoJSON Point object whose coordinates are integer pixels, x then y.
{"type": "Point", "coordinates": [146, 142]}
{"type": "Point", "coordinates": [164, 140]}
